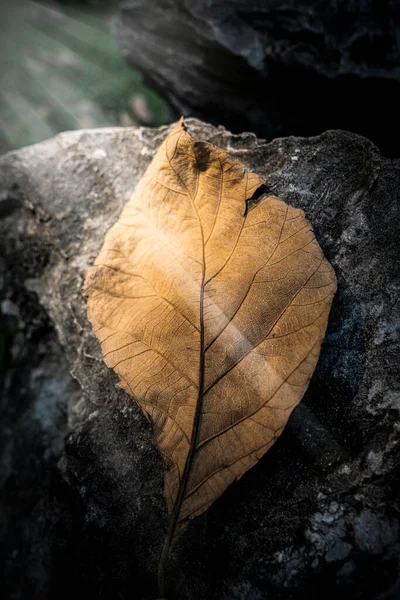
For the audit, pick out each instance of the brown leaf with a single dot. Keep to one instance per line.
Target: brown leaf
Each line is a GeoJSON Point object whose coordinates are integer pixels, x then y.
{"type": "Point", "coordinates": [211, 310]}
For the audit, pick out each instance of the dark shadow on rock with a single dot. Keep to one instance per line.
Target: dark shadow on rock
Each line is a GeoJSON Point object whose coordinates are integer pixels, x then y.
{"type": "Point", "coordinates": [35, 390]}
{"type": "Point", "coordinates": [108, 552]}
{"type": "Point", "coordinates": [338, 378]}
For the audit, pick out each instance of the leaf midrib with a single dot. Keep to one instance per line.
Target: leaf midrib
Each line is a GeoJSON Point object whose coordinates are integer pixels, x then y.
{"type": "Point", "coordinates": [196, 421]}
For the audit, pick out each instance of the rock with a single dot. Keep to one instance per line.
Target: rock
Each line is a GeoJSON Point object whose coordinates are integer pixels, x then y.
{"type": "Point", "coordinates": [271, 67]}
{"type": "Point", "coordinates": [318, 512]}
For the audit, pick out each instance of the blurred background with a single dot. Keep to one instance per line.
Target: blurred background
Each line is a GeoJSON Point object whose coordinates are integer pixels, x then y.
{"type": "Point", "coordinates": [274, 68]}
{"type": "Point", "coordinates": [60, 69]}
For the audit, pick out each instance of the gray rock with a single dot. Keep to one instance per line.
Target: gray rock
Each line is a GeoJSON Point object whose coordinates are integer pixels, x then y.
{"type": "Point", "coordinates": [82, 493]}
{"type": "Point", "coordinates": [276, 68]}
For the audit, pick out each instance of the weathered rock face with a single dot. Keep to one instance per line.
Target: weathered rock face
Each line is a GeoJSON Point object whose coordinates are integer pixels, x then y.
{"type": "Point", "coordinates": [318, 512]}
{"type": "Point", "coordinates": [274, 68]}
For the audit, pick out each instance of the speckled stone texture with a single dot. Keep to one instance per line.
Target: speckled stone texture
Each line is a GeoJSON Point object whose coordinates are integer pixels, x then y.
{"type": "Point", "coordinates": [82, 500]}
{"type": "Point", "coordinates": [275, 67]}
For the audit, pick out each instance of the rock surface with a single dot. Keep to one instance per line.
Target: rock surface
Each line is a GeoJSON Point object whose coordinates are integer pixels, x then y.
{"type": "Point", "coordinates": [82, 498]}
{"type": "Point", "coordinates": [276, 68]}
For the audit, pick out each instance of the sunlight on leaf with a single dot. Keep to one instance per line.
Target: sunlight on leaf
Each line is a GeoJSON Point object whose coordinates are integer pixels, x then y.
{"type": "Point", "coordinates": [211, 310]}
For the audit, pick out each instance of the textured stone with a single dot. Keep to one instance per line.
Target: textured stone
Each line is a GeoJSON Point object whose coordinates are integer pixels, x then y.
{"type": "Point", "coordinates": [82, 498]}
{"type": "Point", "coordinates": [276, 68]}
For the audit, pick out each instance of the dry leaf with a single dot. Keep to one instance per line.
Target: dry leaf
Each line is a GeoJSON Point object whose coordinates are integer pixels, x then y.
{"type": "Point", "coordinates": [211, 309]}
